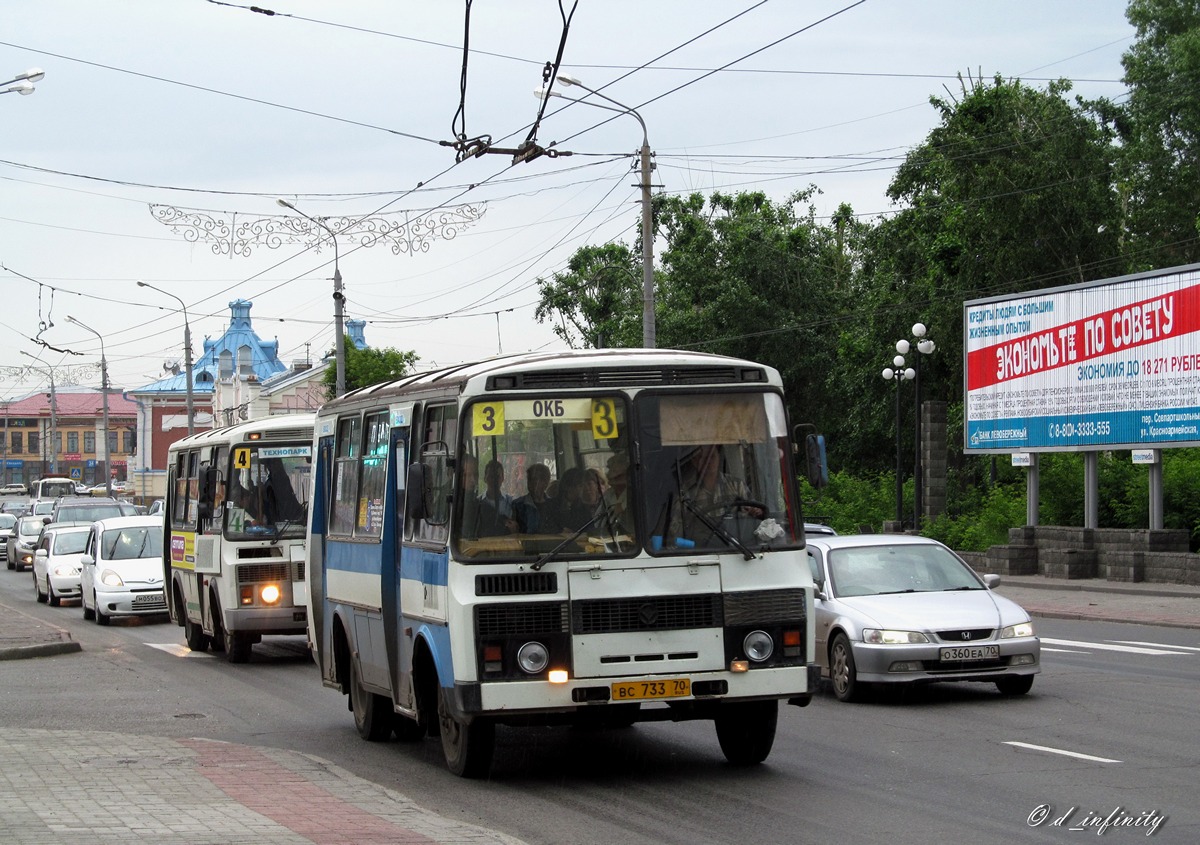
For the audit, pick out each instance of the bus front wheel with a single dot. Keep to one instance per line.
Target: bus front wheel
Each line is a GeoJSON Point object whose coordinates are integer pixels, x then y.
{"type": "Point", "coordinates": [746, 731]}
{"type": "Point", "coordinates": [467, 746]}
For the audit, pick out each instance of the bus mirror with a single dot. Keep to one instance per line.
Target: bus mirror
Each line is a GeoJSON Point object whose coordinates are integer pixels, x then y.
{"type": "Point", "coordinates": [415, 504]}
{"type": "Point", "coordinates": [817, 468]}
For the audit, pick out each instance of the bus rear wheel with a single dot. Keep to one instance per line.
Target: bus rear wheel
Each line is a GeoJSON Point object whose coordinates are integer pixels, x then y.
{"type": "Point", "coordinates": [194, 635]}
{"type": "Point", "coordinates": [373, 715]}
{"type": "Point", "coordinates": [467, 746]}
{"type": "Point", "coordinates": [746, 731]}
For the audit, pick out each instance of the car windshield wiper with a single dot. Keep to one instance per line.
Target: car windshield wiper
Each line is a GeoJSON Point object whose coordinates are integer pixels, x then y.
{"type": "Point", "coordinates": [716, 528]}
{"type": "Point", "coordinates": [897, 592]}
{"type": "Point", "coordinates": [956, 589]}
{"type": "Point", "coordinates": [142, 547]}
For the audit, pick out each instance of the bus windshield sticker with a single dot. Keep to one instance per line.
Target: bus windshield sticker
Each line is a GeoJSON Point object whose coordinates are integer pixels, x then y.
{"type": "Point", "coordinates": [241, 458]}
{"type": "Point", "coordinates": [604, 419]}
{"type": "Point", "coordinates": [487, 419]}
{"type": "Point", "coordinates": [285, 452]}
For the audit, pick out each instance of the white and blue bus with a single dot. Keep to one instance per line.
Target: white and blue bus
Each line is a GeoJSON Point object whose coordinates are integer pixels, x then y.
{"type": "Point", "coordinates": [606, 536]}
{"type": "Point", "coordinates": [236, 513]}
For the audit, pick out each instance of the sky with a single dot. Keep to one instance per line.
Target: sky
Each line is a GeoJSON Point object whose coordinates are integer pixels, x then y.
{"type": "Point", "coordinates": [164, 133]}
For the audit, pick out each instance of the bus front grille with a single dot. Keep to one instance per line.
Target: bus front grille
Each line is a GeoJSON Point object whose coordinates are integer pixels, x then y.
{"type": "Point", "coordinates": [516, 584]}
{"type": "Point", "coordinates": [761, 607]}
{"type": "Point", "coordinates": [257, 573]}
{"type": "Point", "coordinates": [652, 613]}
{"type": "Point", "coordinates": [498, 620]}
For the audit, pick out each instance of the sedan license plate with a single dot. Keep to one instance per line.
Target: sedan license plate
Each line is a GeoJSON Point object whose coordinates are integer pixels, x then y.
{"type": "Point", "coordinates": [640, 690]}
{"type": "Point", "coordinates": [971, 652]}
{"type": "Point", "coordinates": [149, 598]}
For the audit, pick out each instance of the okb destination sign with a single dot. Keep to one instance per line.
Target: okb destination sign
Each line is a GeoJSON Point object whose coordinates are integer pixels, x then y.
{"type": "Point", "coordinates": [1108, 364]}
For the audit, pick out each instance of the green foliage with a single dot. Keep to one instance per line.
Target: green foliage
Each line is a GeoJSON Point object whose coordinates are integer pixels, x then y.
{"type": "Point", "coordinates": [369, 366]}
{"type": "Point", "coordinates": [597, 302]}
{"type": "Point", "coordinates": [1000, 508]}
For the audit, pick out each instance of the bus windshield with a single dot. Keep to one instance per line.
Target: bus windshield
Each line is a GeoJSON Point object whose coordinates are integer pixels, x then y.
{"type": "Point", "coordinates": [556, 477]}
{"type": "Point", "coordinates": [267, 491]}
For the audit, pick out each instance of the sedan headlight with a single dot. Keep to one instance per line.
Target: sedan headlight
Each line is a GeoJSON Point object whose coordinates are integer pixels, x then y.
{"type": "Point", "coordinates": [1025, 629]}
{"type": "Point", "coordinates": [110, 578]}
{"type": "Point", "coordinates": [879, 636]}
{"type": "Point", "coordinates": [64, 569]}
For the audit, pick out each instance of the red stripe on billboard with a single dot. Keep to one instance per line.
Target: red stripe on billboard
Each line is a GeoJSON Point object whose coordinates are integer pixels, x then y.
{"type": "Point", "coordinates": [1163, 317]}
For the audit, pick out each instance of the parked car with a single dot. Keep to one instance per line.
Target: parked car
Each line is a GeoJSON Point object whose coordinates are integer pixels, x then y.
{"type": "Point", "coordinates": [122, 569]}
{"type": "Point", "coordinates": [20, 545]}
{"type": "Point", "coordinates": [14, 490]}
{"type": "Point", "coordinates": [86, 509]}
{"type": "Point", "coordinates": [157, 507]}
{"type": "Point", "coordinates": [818, 529]}
{"type": "Point", "coordinates": [56, 563]}
{"type": "Point", "coordinates": [82, 490]}
{"type": "Point", "coordinates": [8, 527]}
{"type": "Point", "coordinates": [896, 609]}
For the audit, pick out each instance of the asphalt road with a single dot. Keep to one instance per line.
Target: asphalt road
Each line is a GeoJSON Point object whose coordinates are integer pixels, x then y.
{"type": "Point", "coordinates": [1108, 732]}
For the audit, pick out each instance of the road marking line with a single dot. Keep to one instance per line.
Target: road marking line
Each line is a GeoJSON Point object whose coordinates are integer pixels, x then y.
{"type": "Point", "coordinates": [1064, 650]}
{"type": "Point", "coordinates": [1157, 645]}
{"type": "Point", "coordinates": [1050, 750]}
{"type": "Point", "coordinates": [178, 650]}
{"type": "Point", "coordinates": [1131, 649]}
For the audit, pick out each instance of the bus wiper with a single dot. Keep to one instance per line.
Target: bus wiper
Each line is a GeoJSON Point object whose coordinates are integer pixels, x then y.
{"type": "Point", "coordinates": [553, 553]}
{"type": "Point", "coordinates": [280, 527]}
{"type": "Point", "coordinates": [716, 528]}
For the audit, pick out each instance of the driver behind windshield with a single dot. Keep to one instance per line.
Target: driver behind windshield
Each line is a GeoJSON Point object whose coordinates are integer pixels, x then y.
{"type": "Point", "coordinates": [710, 489]}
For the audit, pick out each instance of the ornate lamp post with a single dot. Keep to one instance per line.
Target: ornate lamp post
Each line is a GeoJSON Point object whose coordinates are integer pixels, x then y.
{"type": "Point", "coordinates": [925, 346]}
{"type": "Point", "coordinates": [187, 355]}
{"type": "Point", "coordinates": [104, 390]}
{"type": "Point", "coordinates": [648, 328]}
{"type": "Point", "coordinates": [898, 375]}
{"type": "Point", "coordinates": [339, 338]}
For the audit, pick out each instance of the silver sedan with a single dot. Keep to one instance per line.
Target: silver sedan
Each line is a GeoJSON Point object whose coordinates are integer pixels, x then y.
{"type": "Point", "coordinates": [899, 609]}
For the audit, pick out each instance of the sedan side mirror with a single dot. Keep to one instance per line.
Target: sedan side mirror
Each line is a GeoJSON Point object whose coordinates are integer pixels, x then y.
{"type": "Point", "coordinates": [992, 581]}
{"type": "Point", "coordinates": [87, 560]}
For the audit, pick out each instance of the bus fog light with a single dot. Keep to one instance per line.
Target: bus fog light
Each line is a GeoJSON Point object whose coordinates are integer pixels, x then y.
{"type": "Point", "coordinates": [533, 658]}
{"type": "Point", "coordinates": [758, 645]}
{"type": "Point", "coordinates": [270, 594]}
{"type": "Point", "coordinates": [558, 676]}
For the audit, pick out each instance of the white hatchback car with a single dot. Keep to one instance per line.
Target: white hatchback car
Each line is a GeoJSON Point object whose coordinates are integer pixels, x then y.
{"type": "Point", "coordinates": [123, 568]}
{"type": "Point", "coordinates": [56, 563]}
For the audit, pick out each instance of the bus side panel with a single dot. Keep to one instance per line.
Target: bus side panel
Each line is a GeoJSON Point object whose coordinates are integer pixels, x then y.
{"type": "Point", "coordinates": [352, 578]}
{"type": "Point", "coordinates": [423, 574]}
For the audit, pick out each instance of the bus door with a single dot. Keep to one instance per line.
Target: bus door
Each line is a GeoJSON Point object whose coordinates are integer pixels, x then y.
{"type": "Point", "coordinates": [399, 649]}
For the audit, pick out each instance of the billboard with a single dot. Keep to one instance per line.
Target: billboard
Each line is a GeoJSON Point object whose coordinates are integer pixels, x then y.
{"type": "Point", "coordinates": [1111, 364]}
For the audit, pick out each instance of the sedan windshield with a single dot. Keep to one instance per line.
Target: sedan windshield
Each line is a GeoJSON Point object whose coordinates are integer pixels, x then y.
{"type": "Point", "coordinates": [132, 542]}
{"type": "Point", "coordinates": [881, 570]}
{"type": "Point", "coordinates": [69, 542]}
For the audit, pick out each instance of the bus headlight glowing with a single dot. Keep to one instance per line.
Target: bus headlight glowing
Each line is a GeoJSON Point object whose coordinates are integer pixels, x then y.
{"type": "Point", "coordinates": [533, 658]}
{"type": "Point", "coordinates": [758, 645]}
{"type": "Point", "coordinates": [270, 594]}
{"type": "Point", "coordinates": [558, 676]}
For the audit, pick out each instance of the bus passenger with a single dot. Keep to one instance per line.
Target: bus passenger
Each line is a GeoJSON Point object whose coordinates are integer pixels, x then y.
{"type": "Point", "coordinates": [535, 510]}
{"type": "Point", "coordinates": [470, 500]}
{"type": "Point", "coordinates": [569, 508]}
{"type": "Point", "coordinates": [495, 506]}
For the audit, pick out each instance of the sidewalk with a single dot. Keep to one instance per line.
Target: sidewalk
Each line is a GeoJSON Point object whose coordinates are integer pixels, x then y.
{"type": "Point", "coordinates": [125, 788]}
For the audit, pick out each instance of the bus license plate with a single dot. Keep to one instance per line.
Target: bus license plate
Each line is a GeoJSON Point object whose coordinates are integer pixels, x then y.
{"type": "Point", "coordinates": [639, 690]}
{"type": "Point", "coordinates": [971, 652]}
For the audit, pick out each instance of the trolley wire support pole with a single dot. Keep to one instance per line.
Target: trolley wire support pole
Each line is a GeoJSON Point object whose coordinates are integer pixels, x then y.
{"type": "Point", "coordinates": [187, 356]}
{"type": "Point", "coordinates": [104, 390]}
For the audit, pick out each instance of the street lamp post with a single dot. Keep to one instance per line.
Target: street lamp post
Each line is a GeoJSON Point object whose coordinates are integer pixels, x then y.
{"type": "Point", "coordinates": [23, 82]}
{"type": "Point", "coordinates": [648, 329]}
{"type": "Point", "coordinates": [104, 390]}
{"type": "Point", "coordinates": [339, 338]}
{"type": "Point", "coordinates": [925, 346]}
{"type": "Point", "coordinates": [187, 356]}
{"type": "Point", "coordinates": [53, 414]}
{"type": "Point", "coordinates": [898, 375]}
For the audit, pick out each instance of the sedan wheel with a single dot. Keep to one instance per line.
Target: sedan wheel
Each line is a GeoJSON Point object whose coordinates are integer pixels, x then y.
{"type": "Point", "coordinates": [51, 596]}
{"type": "Point", "coordinates": [842, 670]}
{"type": "Point", "coordinates": [1015, 684]}
{"type": "Point", "coordinates": [88, 613]}
{"type": "Point", "coordinates": [37, 590]}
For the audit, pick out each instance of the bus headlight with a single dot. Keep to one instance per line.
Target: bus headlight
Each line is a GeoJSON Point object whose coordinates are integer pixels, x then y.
{"type": "Point", "coordinates": [270, 594]}
{"type": "Point", "coordinates": [533, 658]}
{"type": "Point", "coordinates": [758, 645]}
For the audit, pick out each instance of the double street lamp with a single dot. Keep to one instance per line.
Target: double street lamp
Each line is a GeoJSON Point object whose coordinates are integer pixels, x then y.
{"type": "Point", "coordinates": [104, 390]}
{"type": "Point", "coordinates": [187, 355]}
{"type": "Point", "coordinates": [648, 331]}
{"type": "Point", "coordinates": [49, 371]}
{"type": "Point", "coordinates": [23, 82]}
{"type": "Point", "coordinates": [339, 339]}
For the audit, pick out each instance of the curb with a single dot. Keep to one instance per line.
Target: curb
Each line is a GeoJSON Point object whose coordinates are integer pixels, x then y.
{"type": "Point", "coordinates": [22, 652]}
{"type": "Point", "coordinates": [1093, 617]}
{"type": "Point", "coordinates": [1088, 587]}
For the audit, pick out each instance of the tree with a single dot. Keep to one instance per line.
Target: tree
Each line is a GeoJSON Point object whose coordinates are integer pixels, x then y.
{"type": "Point", "coordinates": [369, 366]}
{"type": "Point", "coordinates": [597, 301]}
{"type": "Point", "coordinates": [1159, 128]}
